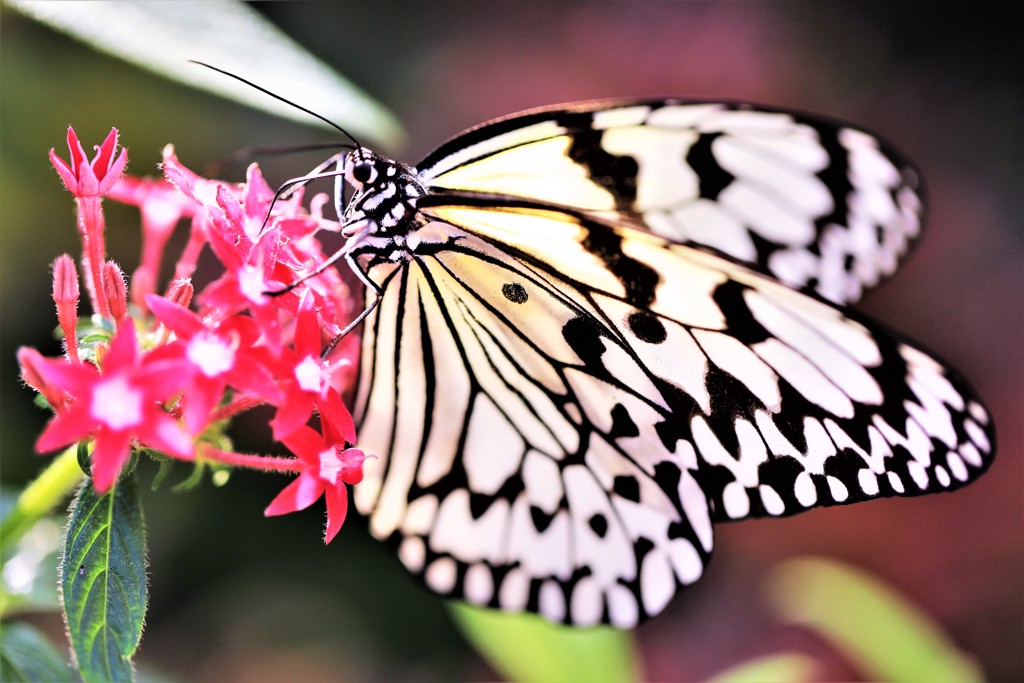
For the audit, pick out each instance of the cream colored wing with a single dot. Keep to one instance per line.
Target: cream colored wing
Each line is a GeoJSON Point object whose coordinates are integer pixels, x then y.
{"type": "Point", "coordinates": [561, 407]}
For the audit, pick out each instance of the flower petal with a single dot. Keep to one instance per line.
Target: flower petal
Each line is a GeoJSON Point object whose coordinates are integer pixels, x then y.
{"type": "Point", "coordinates": [67, 175]}
{"type": "Point", "coordinates": [74, 378]}
{"type": "Point", "coordinates": [162, 433]}
{"type": "Point", "coordinates": [200, 401]}
{"type": "Point", "coordinates": [115, 172]}
{"type": "Point", "coordinates": [307, 331]}
{"type": "Point", "coordinates": [78, 158]}
{"type": "Point", "coordinates": [178, 319]}
{"type": "Point", "coordinates": [298, 495]}
{"type": "Point", "coordinates": [254, 378]}
{"type": "Point", "coordinates": [337, 509]}
{"type": "Point", "coordinates": [123, 349]}
{"type": "Point", "coordinates": [66, 428]}
{"type": "Point", "coordinates": [161, 378]}
{"type": "Point", "coordinates": [294, 411]}
{"type": "Point", "coordinates": [110, 453]}
{"type": "Point", "coordinates": [352, 470]}
{"type": "Point", "coordinates": [104, 153]}
{"type": "Point", "coordinates": [305, 443]}
{"type": "Point", "coordinates": [335, 419]}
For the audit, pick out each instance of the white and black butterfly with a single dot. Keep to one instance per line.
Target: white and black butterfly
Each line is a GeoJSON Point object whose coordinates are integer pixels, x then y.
{"type": "Point", "coordinates": [594, 331]}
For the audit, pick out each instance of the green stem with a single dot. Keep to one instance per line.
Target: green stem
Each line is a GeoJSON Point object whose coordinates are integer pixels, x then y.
{"type": "Point", "coordinates": [40, 497]}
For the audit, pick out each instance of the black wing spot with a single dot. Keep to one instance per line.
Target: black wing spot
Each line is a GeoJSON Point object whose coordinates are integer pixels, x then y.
{"type": "Point", "coordinates": [713, 178]}
{"type": "Point", "coordinates": [627, 487]}
{"type": "Point", "coordinates": [646, 326]}
{"type": "Point", "coordinates": [598, 524]}
{"type": "Point", "coordinates": [514, 292]}
{"type": "Point", "coordinates": [622, 424]}
{"type": "Point", "coordinates": [541, 519]}
{"type": "Point", "coordinates": [479, 504]}
{"type": "Point", "coordinates": [584, 337]}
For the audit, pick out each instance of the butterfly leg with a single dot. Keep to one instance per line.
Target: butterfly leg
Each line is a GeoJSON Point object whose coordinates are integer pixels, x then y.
{"type": "Point", "coordinates": [289, 186]}
{"type": "Point", "coordinates": [350, 258]}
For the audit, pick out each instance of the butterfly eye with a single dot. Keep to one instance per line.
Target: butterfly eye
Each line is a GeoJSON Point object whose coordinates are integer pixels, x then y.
{"type": "Point", "coordinates": [363, 172]}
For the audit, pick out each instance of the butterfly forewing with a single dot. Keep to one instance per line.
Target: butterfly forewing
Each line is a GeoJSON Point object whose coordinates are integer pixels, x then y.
{"type": "Point", "coordinates": [816, 205]}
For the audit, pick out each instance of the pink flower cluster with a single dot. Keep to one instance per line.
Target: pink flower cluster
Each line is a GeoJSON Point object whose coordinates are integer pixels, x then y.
{"type": "Point", "coordinates": [147, 371]}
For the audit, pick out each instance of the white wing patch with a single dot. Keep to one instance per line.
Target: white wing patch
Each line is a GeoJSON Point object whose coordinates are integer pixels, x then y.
{"type": "Point", "coordinates": [815, 205]}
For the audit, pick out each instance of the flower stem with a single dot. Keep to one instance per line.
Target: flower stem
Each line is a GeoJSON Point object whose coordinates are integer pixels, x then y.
{"type": "Point", "coordinates": [40, 497]}
{"type": "Point", "coordinates": [256, 462]}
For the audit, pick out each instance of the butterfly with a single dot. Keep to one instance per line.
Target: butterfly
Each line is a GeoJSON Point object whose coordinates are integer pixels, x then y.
{"type": "Point", "coordinates": [593, 331]}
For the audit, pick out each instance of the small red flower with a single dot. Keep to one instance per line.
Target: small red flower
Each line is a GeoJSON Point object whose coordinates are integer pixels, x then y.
{"type": "Point", "coordinates": [328, 466]}
{"type": "Point", "coordinates": [307, 379]}
{"type": "Point", "coordinates": [162, 206]}
{"type": "Point", "coordinates": [120, 405]}
{"type": "Point", "coordinates": [217, 356]}
{"type": "Point", "coordinates": [85, 178]}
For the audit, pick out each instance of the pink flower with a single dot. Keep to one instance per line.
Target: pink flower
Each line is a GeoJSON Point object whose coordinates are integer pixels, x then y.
{"type": "Point", "coordinates": [306, 379]}
{"type": "Point", "coordinates": [94, 178]}
{"type": "Point", "coordinates": [162, 206]}
{"type": "Point", "coordinates": [327, 467]}
{"type": "Point", "coordinates": [252, 270]}
{"type": "Point", "coordinates": [120, 405]}
{"type": "Point", "coordinates": [217, 355]}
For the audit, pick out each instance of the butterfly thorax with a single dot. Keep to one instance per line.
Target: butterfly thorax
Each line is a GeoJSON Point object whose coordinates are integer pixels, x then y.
{"type": "Point", "coordinates": [382, 210]}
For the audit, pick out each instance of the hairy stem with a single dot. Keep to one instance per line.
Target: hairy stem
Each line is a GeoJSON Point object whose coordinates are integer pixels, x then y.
{"type": "Point", "coordinates": [39, 498]}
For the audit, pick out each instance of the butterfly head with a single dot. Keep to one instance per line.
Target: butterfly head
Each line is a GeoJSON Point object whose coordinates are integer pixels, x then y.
{"type": "Point", "coordinates": [362, 169]}
{"type": "Point", "coordinates": [384, 193]}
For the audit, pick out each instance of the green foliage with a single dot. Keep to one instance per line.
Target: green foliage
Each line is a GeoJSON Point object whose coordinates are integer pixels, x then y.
{"type": "Point", "coordinates": [781, 668]}
{"type": "Point", "coordinates": [879, 632]}
{"type": "Point", "coordinates": [524, 647]}
{"type": "Point", "coordinates": [26, 655]}
{"type": "Point", "coordinates": [164, 36]}
{"type": "Point", "coordinates": [103, 580]}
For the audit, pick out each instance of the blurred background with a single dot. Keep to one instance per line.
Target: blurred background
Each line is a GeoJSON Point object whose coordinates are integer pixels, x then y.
{"type": "Point", "coordinates": [236, 597]}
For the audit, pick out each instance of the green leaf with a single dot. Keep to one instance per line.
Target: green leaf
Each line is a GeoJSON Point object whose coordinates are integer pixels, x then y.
{"type": "Point", "coordinates": [164, 36]}
{"type": "Point", "coordinates": [103, 580]}
{"type": "Point", "coordinates": [27, 655]}
{"type": "Point", "coordinates": [880, 632]}
{"type": "Point", "coordinates": [788, 667]}
{"type": "Point", "coordinates": [526, 648]}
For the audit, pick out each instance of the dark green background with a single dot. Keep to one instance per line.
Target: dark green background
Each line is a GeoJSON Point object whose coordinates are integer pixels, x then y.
{"type": "Point", "coordinates": [237, 597]}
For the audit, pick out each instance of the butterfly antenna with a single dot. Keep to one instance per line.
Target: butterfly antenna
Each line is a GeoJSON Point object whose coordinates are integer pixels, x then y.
{"type": "Point", "coordinates": [282, 99]}
{"type": "Point", "coordinates": [218, 166]}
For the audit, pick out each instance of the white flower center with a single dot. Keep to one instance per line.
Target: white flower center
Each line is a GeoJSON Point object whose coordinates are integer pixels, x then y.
{"type": "Point", "coordinates": [116, 403]}
{"type": "Point", "coordinates": [211, 354]}
{"type": "Point", "coordinates": [309, 375]}
{"type": "Point", "coordinates": [250, 282]}
{"type": "Point", "coordinates": [330, 465]}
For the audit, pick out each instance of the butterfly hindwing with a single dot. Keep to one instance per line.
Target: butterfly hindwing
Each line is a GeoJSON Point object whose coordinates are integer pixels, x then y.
{"type": "Point", "coordinates": [816, 205]}
{"type": "Point", "coordinates": [562, 406]}
{"type": "Point", "coordinates": [508, 486]}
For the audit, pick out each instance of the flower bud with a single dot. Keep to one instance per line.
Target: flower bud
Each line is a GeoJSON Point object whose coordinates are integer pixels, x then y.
{"type": "Point", "coordinates": [65, 295]}
{"type": "Point", "coordinates": [180, 291]}
{"type": "Point", "coordinates": [30, 361]}
{"type": "Point", "coordinates": [115, 291]}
